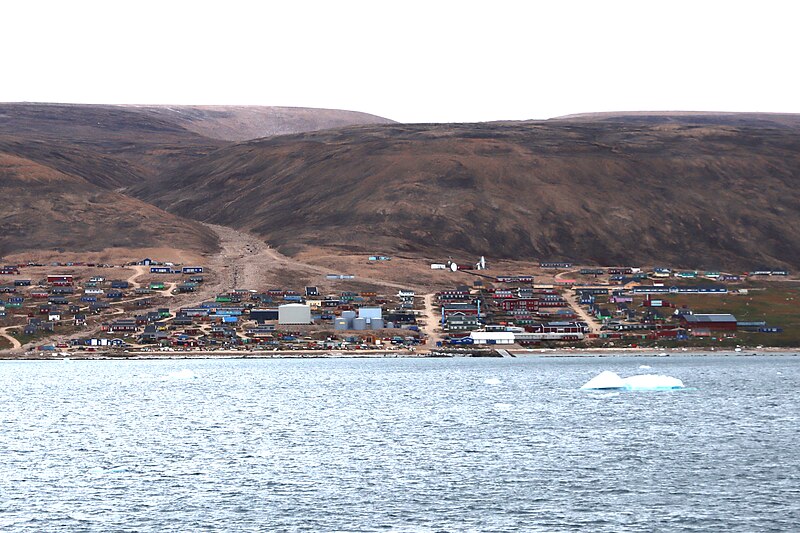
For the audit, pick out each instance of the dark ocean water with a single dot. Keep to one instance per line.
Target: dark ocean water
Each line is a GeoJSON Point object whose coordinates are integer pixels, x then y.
{"type": "Point", "coordinates": [398, 445]}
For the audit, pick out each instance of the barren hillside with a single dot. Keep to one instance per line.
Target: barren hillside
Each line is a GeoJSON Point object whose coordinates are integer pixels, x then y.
{"type": "Point", "coordinates": [45, 209]}
{"type": "Point", "coordinates": [598, 191]}
{"type": "Point", "coordinates": [690, 189]}
{"type": "Point", "coordinates": [89, 153]}
{"type": "Point", "coordinates": [242, 123]}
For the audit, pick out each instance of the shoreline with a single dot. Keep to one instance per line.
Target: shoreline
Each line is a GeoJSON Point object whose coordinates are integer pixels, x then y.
{"type": "Point", "coordinates": [404, 354]}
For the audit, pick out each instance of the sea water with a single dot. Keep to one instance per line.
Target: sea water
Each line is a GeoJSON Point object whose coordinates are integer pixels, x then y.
{"type": "Point", "coordinates": [398, 445]}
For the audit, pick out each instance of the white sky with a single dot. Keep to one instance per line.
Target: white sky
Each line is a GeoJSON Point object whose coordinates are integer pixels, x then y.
{"type": "Point", "coordinates": [412, 61]}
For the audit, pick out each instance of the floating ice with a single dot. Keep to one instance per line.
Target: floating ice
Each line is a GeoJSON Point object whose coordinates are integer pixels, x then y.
{"type": "Point", "coordinates": [652, 382]}
{"type": "Point", "coordinates": [605, 380]}
{"type": "Point", "coordinates": [492, 381]}
{"type": "Point", "coordinates": [503, 406]}
{"type": "Point", "coordinates": [610, 381]}
{"type": "Point", "coordinates": [644, 367]}
{"type": "Point", "coordinates": [182, 374]}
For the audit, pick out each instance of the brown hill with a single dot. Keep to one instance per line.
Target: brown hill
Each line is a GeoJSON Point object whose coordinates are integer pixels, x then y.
{"type": "Point", "coordinates": [242, 123]}
{"type": "Point", "coordinates": [88, 151]}
{"type": "Point", "coordinates": [717, 118]}
{"type": "Point", "coordinates": [119, 145]}
{"type": "Point", "coordinates": [608, 192]}
{"type": "Point", "coordinates": [107, 145]}
{"type": "Point", "coordinates": [46, 209]}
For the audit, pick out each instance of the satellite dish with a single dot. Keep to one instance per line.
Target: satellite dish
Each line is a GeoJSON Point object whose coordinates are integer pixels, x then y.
{"type": "Point", "coordinates": [453, 267]}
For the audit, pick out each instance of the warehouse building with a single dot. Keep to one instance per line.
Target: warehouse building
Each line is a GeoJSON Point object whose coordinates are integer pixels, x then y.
{"type": "Point", "coordinates": [717, 322]}
{"type": "Point", "coordinates": [294, 314]}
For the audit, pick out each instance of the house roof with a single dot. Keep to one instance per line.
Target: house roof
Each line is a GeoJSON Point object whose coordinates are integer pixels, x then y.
{"type": "Point", "coordinates": [493, 335]}
{"type": "Point", "coordinates": [719, 318]}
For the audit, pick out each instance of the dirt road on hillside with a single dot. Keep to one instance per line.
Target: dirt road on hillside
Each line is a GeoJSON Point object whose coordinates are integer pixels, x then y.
{"type": "Point", "coordinates": [247, 261]}
{"type": "Point", "coordinates": [139, 271]}
{"type": "Point", "coordinates": [572, 300]}
{"type": "Point", "coordinates": [15, 345]}
{"type": "Point", "coordinates": [432, 319]}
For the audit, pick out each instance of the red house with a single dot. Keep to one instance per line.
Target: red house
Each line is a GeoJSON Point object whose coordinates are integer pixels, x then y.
{"type": "Point", "coordinates": [515, 304]}
{"type": "Point", "coordinates": [467, 309]}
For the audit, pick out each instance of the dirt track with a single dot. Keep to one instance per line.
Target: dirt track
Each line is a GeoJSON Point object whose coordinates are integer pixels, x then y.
{"type": "Point", "coordinates": [246, 261]}
{"type": "Point", "coordinates": [139, 271]}
{"type": "Point", "coordinates": [572, 300]}
{"type": "Point", "coordinates": [431, 321]}
{"type": "Point", "coordinates": [15, 345]}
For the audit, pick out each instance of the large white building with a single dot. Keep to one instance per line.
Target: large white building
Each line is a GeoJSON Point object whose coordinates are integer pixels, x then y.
{"type": "Point", "coordinates": [294, 314]}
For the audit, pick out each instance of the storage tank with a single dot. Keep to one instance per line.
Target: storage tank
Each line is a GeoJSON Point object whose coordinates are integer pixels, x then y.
{"type": "Point", "coordinates": [359, 324]}
{"type": "Point", "coordinates": [340, 324]}
{"type": "Point", "coordinates": [350, 315]}
{"type": "Point", "coordinates": [376, 323]}
{"type": "Point", "coordinates": [290, 314]}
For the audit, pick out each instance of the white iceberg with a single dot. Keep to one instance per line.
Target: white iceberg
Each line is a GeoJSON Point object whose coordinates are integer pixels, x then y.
{"type": "Point", "coordinates": [492, 381]}
{"type": "Point", "coordinates": [611, 381]}
{"type": "Point", "coordinates": [605, 380]}
{"type": "Point", "coordinates": [652, 382]}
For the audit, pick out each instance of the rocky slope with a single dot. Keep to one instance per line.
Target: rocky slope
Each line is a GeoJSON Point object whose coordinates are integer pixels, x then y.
{"type": "Point", "coordinates": [63, 168]}
{"type": "Point", "coordinates": [707, 194]}
{"type": "Point", "coordinates": [46, 209]}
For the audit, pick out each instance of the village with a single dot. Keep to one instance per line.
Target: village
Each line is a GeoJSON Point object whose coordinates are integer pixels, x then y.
{"type": "Point", "coordinates": [68, 308]}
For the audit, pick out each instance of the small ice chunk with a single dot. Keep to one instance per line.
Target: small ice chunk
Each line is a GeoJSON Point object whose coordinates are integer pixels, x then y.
{"type": "Point", "coordinates": [644, 367]}
{"type": "Point", "coordinates": [492, 381]}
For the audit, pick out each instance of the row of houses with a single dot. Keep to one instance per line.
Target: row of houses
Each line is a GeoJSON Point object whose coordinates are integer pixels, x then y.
{"type": "Point", "coordinates": [176, 270]}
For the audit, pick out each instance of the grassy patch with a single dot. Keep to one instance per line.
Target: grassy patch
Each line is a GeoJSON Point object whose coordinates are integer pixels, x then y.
{"type": "Point", "coordinates": [776, 304]}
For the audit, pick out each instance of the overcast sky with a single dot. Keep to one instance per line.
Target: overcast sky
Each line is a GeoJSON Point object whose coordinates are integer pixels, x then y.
{"type": "Point", "coordinates": [411, 61]}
